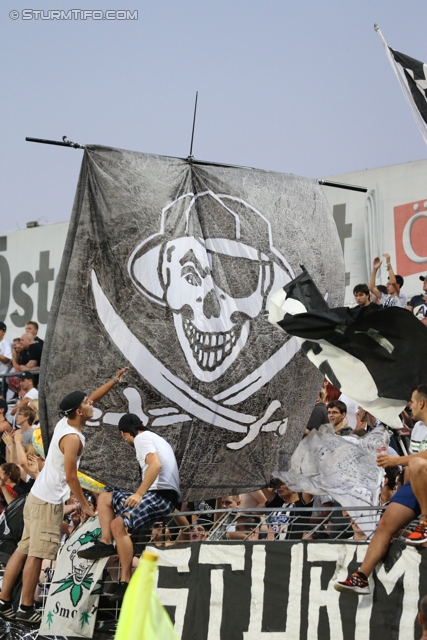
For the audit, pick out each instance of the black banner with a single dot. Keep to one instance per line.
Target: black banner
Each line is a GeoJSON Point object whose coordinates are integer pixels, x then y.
{"type": "Point", "coordinates": [277, 591]}
{"type": "Point", "coordinates": [168, 268]}
{"type": "Point", "coordinates": [284, 591]}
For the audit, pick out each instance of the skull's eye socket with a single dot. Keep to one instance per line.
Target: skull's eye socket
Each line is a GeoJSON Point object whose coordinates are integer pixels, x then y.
{"type": "Point", "coordinates": [237, 277]}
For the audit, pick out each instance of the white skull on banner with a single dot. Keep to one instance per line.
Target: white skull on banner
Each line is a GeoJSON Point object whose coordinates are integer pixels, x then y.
{"type": "Point", "coordinates": [211, 278]}
{"type": "Point", "coordinates": [213, 266]}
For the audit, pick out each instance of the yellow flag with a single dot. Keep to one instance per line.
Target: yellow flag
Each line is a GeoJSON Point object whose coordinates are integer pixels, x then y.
{"type": "Point", "coordinates": [142, 616]}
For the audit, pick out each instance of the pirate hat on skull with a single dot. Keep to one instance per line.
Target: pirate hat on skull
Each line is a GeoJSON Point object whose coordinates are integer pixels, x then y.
{"type": "Point", "coordinates": [224, 226]}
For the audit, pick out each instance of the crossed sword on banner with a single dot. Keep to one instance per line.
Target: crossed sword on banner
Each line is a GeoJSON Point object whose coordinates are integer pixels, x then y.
{"type": "Point", "coordinates": [172, 387]}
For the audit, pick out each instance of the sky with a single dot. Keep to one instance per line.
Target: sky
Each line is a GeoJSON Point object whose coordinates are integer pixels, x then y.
{"type": "Point", "coordinates": [297, 87]}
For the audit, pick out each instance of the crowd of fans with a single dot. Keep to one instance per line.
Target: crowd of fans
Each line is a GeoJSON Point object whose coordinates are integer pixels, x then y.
{"type": "Point", "coordinates": [274, 512]}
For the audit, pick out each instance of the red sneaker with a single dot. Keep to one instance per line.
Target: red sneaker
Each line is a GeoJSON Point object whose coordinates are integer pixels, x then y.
{"type": "Point", "coordinates": [419, 535]}
{"type": "Point", "coordinates": [354, 583]}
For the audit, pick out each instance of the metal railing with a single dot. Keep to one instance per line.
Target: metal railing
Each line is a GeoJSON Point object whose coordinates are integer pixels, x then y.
{"type": "Point", "coordinates": [280, 524]}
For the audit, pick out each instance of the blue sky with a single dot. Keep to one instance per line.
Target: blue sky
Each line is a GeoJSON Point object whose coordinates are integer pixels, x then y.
{"type": "Point", "coordinates": [299, 87]}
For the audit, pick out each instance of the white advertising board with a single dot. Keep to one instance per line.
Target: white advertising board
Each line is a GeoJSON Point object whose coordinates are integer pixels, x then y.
{"type": "Point", "coordinates": [391, 217]}
{"type": "Point", "coordinates": [29, 264]}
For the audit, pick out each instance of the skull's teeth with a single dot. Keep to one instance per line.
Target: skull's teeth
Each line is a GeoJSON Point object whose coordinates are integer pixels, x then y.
{"type": "Point", "coordinates": [210, 349]}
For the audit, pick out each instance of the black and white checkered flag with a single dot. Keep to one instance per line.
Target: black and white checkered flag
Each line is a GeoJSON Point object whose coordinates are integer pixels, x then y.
{"type": "Point", "coordinates": [412, 75]}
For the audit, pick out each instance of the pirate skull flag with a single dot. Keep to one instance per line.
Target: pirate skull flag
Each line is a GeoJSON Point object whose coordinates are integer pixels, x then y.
{"type": "Point", "coordinates": [168, 268]}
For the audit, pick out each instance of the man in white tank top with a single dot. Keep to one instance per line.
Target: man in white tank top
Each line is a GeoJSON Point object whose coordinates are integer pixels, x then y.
{"type": "Point", "coordinates": [122, 512]}
{"type": "Point", "coordinates": [43, 511]}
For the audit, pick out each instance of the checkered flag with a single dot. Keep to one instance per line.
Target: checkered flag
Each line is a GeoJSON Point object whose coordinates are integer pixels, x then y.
{"type": "Point", "coordinates": [412, 75]}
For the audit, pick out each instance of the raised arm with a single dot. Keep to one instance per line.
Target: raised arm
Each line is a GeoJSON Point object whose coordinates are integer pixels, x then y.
{"type": "Point", "coordinates": [22, 402]}
{"type": "Point", "coordinates": [376, 265]}
{"type": "Point", "coordinates": [16, 352]}
{"type": "Point", "coordinates": [391, 276]}
{"type": "Point", "coordinates": [99, 393]}
{"type": "Point", "coordinates": [10, 446]}
{"type": "Point", "coordinates": [31, 468]}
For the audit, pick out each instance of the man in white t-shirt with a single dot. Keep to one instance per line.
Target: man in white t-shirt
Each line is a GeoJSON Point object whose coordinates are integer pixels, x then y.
{"type": "Point", "coordinates": [393, 297]}
{"type": "Point", "coordinates": [27, 391]}
{"type": "Point", "coordinates": [5, 354]}
{"type": "Point", "coordinates": [122, 512]}
{"type": "Point", "coordinates": [418, 437]}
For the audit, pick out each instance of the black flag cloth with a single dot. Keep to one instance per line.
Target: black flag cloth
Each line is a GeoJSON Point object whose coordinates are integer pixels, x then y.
{"type": "Point", "coordinates": [376, 357]}
{"type": "Point", "coordinates": [412, 75]}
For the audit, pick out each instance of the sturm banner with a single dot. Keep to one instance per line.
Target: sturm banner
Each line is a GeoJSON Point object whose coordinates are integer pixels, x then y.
{"type": "Point", "coordinates": [168, 268]}
{"type": "Point", "coordinates": [268, 591]}
{"type": "Point", "coordinates": [285, 591]}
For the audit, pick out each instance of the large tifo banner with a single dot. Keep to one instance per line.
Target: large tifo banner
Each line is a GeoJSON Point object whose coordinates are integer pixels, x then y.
{"type": "Point", "coordinates": [168, 269]}
{"type": "Point", "coordinates": [285, 591]}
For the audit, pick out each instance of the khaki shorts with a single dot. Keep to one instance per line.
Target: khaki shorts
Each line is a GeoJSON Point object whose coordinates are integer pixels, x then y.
{"type": "Point", "coordinates": [42, 528]}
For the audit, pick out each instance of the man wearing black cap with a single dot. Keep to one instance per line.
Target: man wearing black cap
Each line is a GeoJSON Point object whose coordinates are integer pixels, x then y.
{"type": "Point", "coordinates": [43, 511]}
{"type": "Point", "coordinates": [418, 304]}
{"type": "Point", "coordinates": [27, 391]}
{"type": "Point", "coordinates": [122, 512]}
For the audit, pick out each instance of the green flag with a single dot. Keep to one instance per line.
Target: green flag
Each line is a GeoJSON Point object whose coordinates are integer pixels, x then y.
{"type": "Point", "coordinates": [142, 616]}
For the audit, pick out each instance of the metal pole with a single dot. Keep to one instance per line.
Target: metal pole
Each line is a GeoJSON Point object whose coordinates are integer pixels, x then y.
{"type": "Point", "coordinates": [65, 142]}
{"type": "Point", "coordinates": [190, 157]}
{"type": "Point", "coordinates": [341, 185]}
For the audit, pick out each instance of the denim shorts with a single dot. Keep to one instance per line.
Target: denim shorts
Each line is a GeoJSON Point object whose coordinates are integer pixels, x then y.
{"type": "Point", "coordinates": [405, 496]}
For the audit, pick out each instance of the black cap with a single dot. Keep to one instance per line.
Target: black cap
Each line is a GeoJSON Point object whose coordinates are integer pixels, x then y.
{"type": "Point", "coordinates": [2, 326]}
{"type": "Point", "coordinates": [130, 423]}
{"type": "Point", "coordinates": [71, 402]}
{"type": "Point", "coordinates": [423, 277]}
{"type": "Point", "coordinates": [26, 375]}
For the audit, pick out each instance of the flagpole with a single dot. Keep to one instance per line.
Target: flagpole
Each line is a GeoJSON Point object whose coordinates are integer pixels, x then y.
{"type": "Point", "coordinates": [403, 78]}
{"type": "Point", "coordinates": [342, 185]}
{"type": "Point", "coordinates": [65, 142]}
{"type": "Point", "coordinates": [190, 157]}
{"type": "Point", "coordinates": [378, 30]}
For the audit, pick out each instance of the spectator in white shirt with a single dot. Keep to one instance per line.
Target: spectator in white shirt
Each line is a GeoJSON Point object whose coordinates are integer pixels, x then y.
{"type": "Point", "coordinates": [393, 297]}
